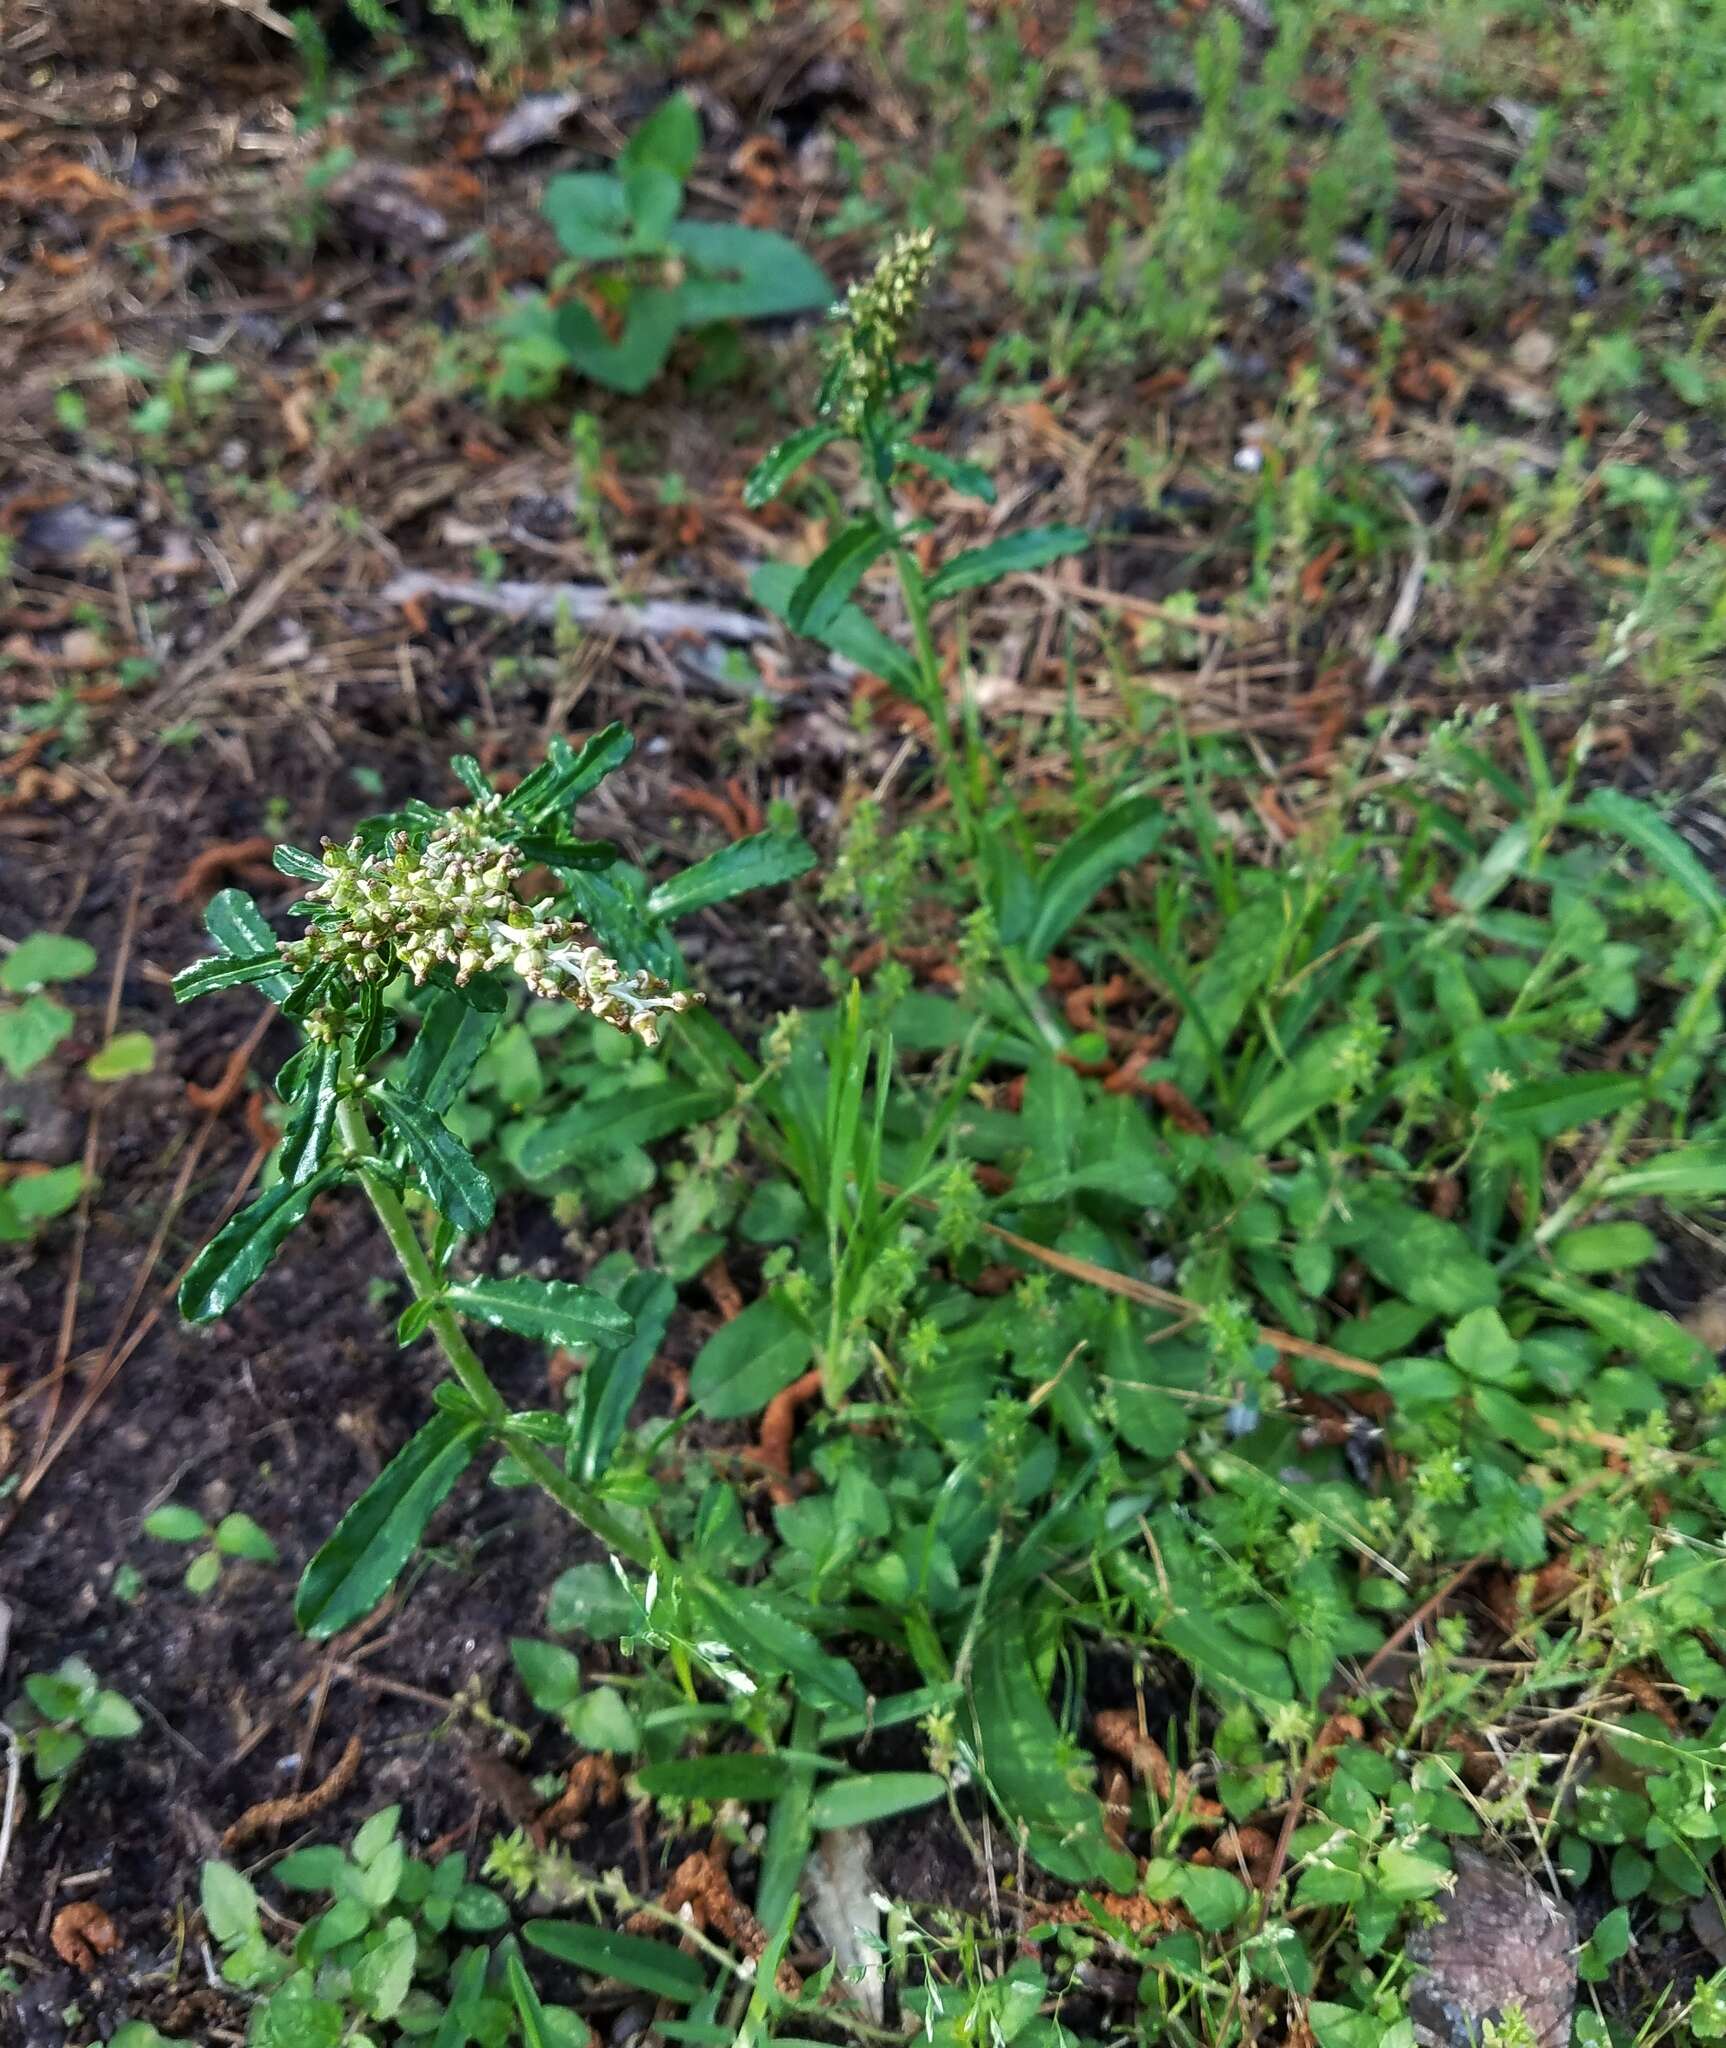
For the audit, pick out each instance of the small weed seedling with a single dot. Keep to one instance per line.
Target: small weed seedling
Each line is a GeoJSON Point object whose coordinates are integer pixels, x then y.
{"type": "Point", "coordinates": [642, 275]}
{"type": "Point", "coordinates": [235, 1535]}
{"type": "Point", "coordinates": [33, 1023]}
{"type": "Point", "coordinates": [59, 1714]}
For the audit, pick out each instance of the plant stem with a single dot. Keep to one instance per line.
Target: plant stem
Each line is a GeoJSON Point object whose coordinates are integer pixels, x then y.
{"type": "Point", "coordinates": [465, 1362]}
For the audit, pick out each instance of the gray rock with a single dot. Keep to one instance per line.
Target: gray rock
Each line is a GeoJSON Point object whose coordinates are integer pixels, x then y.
{"type": "Point", "coordinates": [1503, 1943]}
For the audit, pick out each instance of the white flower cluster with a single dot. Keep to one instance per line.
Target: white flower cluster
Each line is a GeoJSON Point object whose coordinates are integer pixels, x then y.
{"type": "Point", "coordinates": [452, 903]}
{"type": "Point", "coordinates": [872, 323]}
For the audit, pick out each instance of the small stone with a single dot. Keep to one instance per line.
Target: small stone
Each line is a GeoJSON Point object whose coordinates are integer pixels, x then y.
{"type": "Point", "coordinates": [1502, 1945]}
{"type": "Point", "coordinates": [1534, 351]}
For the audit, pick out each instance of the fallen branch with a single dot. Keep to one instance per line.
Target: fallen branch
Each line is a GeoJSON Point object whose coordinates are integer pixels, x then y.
{"type": "Point", "coordinates": [586, 604]}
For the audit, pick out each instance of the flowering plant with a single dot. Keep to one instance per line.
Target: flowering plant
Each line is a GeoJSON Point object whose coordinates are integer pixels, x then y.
{"type": "Point", "coordinates": [438, 900]}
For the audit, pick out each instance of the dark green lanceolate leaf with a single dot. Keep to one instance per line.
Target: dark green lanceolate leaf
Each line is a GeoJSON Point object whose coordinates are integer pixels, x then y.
{"type": "Point", "coordinates": [1116, 839]}
{"type": "Point", "coordinates": [650, 327]}
{"type": "Point", "coordinates": [655, 1967]}
{"type": "Point", "coordinates": [851, 635]}
{"type": "Point", "coordinates": [1034, 1773]}
{"type": "Point", "coordinates": [762, 862]}
{"type": "Point", "coordinates": [452, 1178]}
{"type": "Point", "coordinates": [308, 1134]}
{"type": "Point", "coordinates": [606, 1392]}
{"type": "Point", "coordinates": [449, 1044]}
{"type": "Point", "coordinates": [1550, 1108]}
{"type": "Point", "coordinates": [303, 867]}
{"type": "Point", "coordinates": [740, 273]}
{"type": "Point", "coordinates": [1610, 811]}
{"type": "Point", "coordinates": [1012, 555]}
{"type": "Point", "coordinates": [1691, 1173]}
{"type": "Point", "coordinates": [239, 929]}
{"type": "Point", "coordinates": [553, 1311]}
{"type": "Point", "coordinates": [567, 774]}
{"type": "Point", "coordinates": [204, 977]}
{"type": "Point", "coordinates": [826, 585]}
{"type": "Point", "coordinates": [779, 465]}
{"type": "Point", "coordinates": [958, 476]}
{"type": "Point", "coordinates": [535, 2027]}
{"type": "Point", "coordinates": [1317, 1077]}
{"type": "Point", "coordinates": [376, 1537]}
{"type": "Point", "coordinates": [600, 1129]}
{"type": "Point", "coordinates": [1668, 1350]}
{"type": "Point", "coordinates": [237, 1254]}
{"type": "Point", "coordinates": [749, 1359]}
{"type": "Point", "coordinates": [726, 1774]}
{"type": "Point", "coordinates": [765, 1640]}
{"type": "Point", "coordinates": [861, 1802]}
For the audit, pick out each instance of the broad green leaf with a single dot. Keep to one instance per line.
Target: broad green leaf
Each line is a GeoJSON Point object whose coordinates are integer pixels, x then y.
{"type": "Point", "coordinates": [444, 1054]}
{"type": "Point", "coordinates": [852, 636]}
{"type": "Point", "coordinates": [650, 326]}
{"type": "Point", "coordinates": [60, 1695]}
{"type": "Point", "coordinates": [1604, 1248]}
{"type": "Point", "coordinates": [176, 1523]}
{"type": "Point", "coordinates": [551, 1673]}
{"type": "Point", "coordinates": [238, 1254]}
{"type": "Point", "coordinates": [1611, 811]}
{"type": "Point", "coordinates": [589, 214]}
{"type": "Point", "coordinates": [749, 1359]}
{"type": "Point", "coordinates": [655, 198]}
{"type": "Point", "coordinates": [229, 1902]}
{"type": "Point", "coordinates": [1119, 837]}
{"type": "Point", "coordinates": [656, 1967]}
{"type": "Point", "coordinates": [1662, 1344]}
{"type": "Point", "coordinates": [110, 1717]}
{"type": "Point", "coordinates": [1419, 1256]}
{"type": "Point", "coordinates": [1226, 1659]}
{"type": "Point", "coordinates": [376, 1537]}
{"type": "Point", "coordinates": [669, 139]}
{"type": "Point", "coordinates": [1316, 1078]}
{"type": "Point", "coordinates": [590, 1600]}
{"type": "Point", "coordinates": [723, 1775]}
{"type": "Point", "coordinates": [762, 862]}
{"type": "Point", "coordinates": [130, 1052]}
{"type": "Point", "coordinates": [384, 1974]}
{"type": "Point", "coordinates": [1480, 1346]}
{"type": "Point", "coordinates": [553, 1311]}
{"type": "Point", "coordinates": [1012, 555]}
{"type": "Point", "coordinates": [861, 1802]}
{"type": "Point", "coordinates": [452, 1178]}
{"type": "Point", "coordinates": [42, 958]}
{"type": "Point", "coordinates": [317, 1869]}
{"type": "Point", "coordinates": [307, 1136]}
{"type": "Point", "coordinates": [38, 1197]}
{"type": "Point", "coordinates": [203, 977]}
{"type": "Point", "coordinates": [303, 867]}
{"type": "Point", "coordinates": [237, 1535]}
{"type": "Point", "coordinates": [29, 1032]}
{"type": "Point", "coordinates": [965, 477]}
{"type": "Point", "coordinates": [1215, 1898]}
{"type": "Point", "coordinates": [779, 465]}
{"type": "Point", "coordinates": [826, 585]}
{"type": "Point", "coordinates": [741, 273]}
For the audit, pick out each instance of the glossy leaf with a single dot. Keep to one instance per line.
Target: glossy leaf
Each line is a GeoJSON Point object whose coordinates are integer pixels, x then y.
{"type": "Point", "coordinates": [550, 1311]}
{"type": "Point", "coordinates": [965, 477]}
{"type": "Point", "coordinates": [443, 1055]}
{"type": "Point", "coordinates": [238, 927]}
{"type": "Point", "coordinates": [764, 1639]}
{"type": "Point", "coordinates": [567, 774]}
{"type": "Point", "coordinates": [307, 1137]}
{"type": "Point", "coordinates": [764, 861]}
{"type": "Point", "coordinates": [749, 1359]}
{"type": "Point", "coordinates": [851, 635]}
{"type": "Point", "coordinates": [825, 586]}
{"type": "Point", "coordinates": [779, 465]}
{"type": "Point", "coordinates": [238, 1254]}
{"type": "Point", "coordinates": [1119, 837]}
{"type": "Point", "coordinates": [452, 1178]}
{"type": "Point", "coordinates": [363, 1558]}
{"type": "Point", "coordinates": [204, 977]}
{"type": "Point", "coordinates": [657, 1967]}
{"type": "Point", "coordinates": [1012, 555]}
{"type": "Point", "coordinates": [861, 1802]}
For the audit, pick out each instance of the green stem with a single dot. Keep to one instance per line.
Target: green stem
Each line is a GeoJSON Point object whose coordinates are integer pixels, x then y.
{"type": "Point", "coordinates": [465, 1362]}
